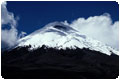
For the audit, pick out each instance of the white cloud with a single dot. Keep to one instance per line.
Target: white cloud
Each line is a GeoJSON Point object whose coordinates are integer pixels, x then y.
{"type": "Point", "coordinates": [9, 37]}
{"type": "Point", "coordinates": [7, 17]}
{"type": "Point", "coordinates": [99, 27]}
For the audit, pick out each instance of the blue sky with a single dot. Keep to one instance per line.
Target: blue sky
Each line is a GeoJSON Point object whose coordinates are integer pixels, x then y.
{"type": "Point", "coordinates": [34, 15]}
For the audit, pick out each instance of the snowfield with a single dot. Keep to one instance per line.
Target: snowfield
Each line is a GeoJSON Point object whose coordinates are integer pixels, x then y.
{"type": "Point", "coordinates": [59, 35]}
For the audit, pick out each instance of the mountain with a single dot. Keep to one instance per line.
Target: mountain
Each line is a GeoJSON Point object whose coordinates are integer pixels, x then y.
{"type": "Point", "coordinates": [59, 35]}
{"type": "Point", "coordinates": [57, 51]}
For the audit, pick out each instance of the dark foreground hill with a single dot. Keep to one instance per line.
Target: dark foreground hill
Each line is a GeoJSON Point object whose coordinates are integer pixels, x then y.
{"type": "Point", "coordinates": [51, 63]}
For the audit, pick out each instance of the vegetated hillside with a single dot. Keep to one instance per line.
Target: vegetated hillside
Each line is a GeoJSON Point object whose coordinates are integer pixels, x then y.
{"type": "Point", "coordinates": [58, 64]}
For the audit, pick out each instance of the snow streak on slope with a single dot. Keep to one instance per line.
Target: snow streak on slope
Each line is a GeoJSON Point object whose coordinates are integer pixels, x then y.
{"type": "Point", "coordinates": [59, 35]}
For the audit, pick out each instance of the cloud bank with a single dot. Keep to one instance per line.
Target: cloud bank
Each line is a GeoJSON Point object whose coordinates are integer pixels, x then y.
{"type": "Point", "coordinates": [10, 36]}
{"type": "Point", "coordinates": [100, 28]}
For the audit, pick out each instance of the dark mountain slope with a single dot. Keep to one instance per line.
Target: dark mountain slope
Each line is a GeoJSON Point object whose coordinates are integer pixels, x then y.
{"type": "Point", "coordinates": [53, 63]}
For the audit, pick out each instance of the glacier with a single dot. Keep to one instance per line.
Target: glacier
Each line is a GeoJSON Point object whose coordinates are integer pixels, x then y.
{"type": "Point", "coordinates": [61, 36]}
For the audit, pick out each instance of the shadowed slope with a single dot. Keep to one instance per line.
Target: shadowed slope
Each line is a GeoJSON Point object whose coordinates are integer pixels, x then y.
{"type": "Point", "coordinates": [53, 63]}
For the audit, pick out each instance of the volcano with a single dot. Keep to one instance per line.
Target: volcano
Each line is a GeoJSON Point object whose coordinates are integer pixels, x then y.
{"type": "Point", "coordinates": [58, 51]}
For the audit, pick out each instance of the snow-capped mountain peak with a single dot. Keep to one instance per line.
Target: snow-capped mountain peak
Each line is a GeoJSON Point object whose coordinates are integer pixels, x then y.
{"type": "Point", "coordinates": [59, 35]}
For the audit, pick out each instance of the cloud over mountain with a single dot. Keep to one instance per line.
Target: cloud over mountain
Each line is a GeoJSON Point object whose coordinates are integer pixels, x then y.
{"type": "Point", "coordinates": [99, 27]}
